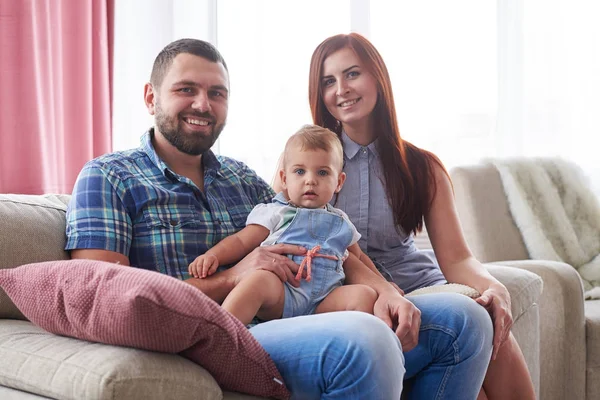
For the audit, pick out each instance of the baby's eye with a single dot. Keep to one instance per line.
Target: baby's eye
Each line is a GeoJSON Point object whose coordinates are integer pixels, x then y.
{"type": "Point", "coordinates": [299, 171]}
{"type": "Point", "coordinates": [323, 173]}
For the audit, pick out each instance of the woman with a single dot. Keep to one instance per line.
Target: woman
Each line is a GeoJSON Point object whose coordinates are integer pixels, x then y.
{"type": "Point", "coordinates": [399, 186]}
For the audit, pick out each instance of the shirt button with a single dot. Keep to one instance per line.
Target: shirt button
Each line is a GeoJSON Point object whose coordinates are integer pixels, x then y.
{"type": "Point", "coordinates": [364, 150]}
{"type": "Point", "coordinates": [173, 222]}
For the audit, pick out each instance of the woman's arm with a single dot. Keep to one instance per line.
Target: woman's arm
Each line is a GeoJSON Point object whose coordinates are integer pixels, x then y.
{"type": "Point", "coordinates": [458, 263]}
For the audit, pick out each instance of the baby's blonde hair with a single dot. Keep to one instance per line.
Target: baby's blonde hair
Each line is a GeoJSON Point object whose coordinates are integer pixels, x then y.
{"type": "Point", "coordinates": [314, 137]}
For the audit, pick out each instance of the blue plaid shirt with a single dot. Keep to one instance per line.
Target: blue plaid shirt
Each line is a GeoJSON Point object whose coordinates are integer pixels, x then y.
{"type": "Point", "coordinates": [130, 202]}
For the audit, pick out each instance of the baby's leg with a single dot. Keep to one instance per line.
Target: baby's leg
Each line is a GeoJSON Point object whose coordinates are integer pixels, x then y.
{"type": "Point", "coordinates": [349, 298]}
{"type": "Point", "coordinates": [507, 376]}
{"type": "Point", "coordinates": [261, 293]}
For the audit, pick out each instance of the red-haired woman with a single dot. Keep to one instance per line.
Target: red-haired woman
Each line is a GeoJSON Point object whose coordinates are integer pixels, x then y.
{"type": "Point", "coordinates": [392, 187]}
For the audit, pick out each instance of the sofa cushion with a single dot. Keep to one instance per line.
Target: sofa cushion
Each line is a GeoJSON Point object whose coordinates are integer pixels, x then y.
{"type": "Point", "coordinates": [39, 362]}
{"type": "Point", "coordinates": [28, 220]}
{"type": "Point", "coordinates": [107, 303]}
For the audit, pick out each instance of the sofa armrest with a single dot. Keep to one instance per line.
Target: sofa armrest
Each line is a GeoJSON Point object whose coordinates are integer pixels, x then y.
{"type": "Point", "coordinates": [525, 290]}
{"type": "Point", "coordinates": [562, 328]}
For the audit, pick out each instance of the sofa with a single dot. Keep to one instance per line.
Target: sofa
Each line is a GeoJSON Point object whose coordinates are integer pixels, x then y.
{"type": "Point", "coordinates": [569, 326]}
{"type": "Point", "coordinates": [36, 364]}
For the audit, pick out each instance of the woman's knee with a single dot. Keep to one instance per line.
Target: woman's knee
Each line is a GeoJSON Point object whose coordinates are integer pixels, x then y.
{"type": "Point", "coordinates": [458, 313]}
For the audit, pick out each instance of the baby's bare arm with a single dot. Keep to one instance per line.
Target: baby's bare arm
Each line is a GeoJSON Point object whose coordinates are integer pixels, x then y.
{"type": "Point", "coordinates": [237, 246]}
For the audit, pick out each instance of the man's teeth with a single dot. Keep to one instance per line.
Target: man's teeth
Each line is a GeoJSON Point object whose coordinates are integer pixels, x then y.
{"type": "Point", "coordinates": [348, 103]}
{"type": "Point", "coordinates": [197, 122]}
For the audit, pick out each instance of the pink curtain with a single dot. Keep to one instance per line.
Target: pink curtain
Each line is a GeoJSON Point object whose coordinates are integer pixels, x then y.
{"type": "Point", "coordinates": [55, 91]}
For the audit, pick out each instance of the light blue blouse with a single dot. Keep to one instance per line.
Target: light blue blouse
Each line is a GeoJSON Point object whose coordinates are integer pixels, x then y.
{"type": "Point", "coordinates": [364, 199]}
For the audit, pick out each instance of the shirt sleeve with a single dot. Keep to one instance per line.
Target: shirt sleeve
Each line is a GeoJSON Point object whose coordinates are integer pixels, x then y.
{"type": "Point", "coordinates": [266, 215]}
{"type": "Point", "coordinates": [96, 216]}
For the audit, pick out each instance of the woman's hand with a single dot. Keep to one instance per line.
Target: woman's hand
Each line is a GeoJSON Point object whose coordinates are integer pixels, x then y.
{"type": "Point", "coordinates": [400, 315]}
{"type": "Point", "coordinates": [496, 300]}
{"type": "Point", "coordinates": [270, 258]}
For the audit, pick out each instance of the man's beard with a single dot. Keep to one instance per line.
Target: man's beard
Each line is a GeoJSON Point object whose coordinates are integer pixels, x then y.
{"type": "Point", "coordinates": [188, 143]}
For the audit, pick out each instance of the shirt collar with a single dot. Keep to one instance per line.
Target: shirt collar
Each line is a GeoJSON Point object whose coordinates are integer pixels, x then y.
{"type": "Point", "coordinates": [208, 158]}
{"type": "Point", "coordinates": [351, 148]}
{"type": "Point", "coordinates": [280, 198]}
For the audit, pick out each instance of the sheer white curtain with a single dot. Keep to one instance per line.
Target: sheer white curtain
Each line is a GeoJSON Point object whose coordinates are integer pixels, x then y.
{"type": "Point", "coordinates": [472, 78]}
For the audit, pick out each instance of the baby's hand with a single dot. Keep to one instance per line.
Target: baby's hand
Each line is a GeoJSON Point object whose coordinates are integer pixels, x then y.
{"type": "Point", "coordinates": [203, 266]}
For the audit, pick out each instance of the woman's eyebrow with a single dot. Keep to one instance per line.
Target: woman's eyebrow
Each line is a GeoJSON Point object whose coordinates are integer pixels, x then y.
{"type": "Point", "coordinates": [344, 71]}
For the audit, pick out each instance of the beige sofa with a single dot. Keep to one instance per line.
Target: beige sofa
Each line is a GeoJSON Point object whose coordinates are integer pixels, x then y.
{"type": "Point", "coordinates": [569, 326]}
{"type": "Point", "coordinates": [35, 364]}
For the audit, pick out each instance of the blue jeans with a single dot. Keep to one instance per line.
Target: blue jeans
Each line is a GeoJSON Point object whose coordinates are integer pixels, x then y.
{"type": "Point", "coordinates": [353, 355]}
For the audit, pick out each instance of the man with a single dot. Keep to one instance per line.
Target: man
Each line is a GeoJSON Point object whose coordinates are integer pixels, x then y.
{"type": "Point", "coordinates": [161, 205]}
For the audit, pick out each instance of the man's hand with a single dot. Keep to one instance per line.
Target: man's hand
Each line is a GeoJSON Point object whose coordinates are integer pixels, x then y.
{"type": "Point", "coordinates": [203, 266]}
{"type": "Point", "coordinates": [400, 315]}
{"type": "Point", "coordinates": [271, 258]}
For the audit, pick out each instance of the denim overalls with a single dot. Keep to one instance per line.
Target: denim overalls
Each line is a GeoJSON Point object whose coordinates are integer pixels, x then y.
{"type": "Point", "coordinates": [309, 228]}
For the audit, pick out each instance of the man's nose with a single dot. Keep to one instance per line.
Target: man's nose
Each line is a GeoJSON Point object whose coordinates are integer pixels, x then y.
{"type": "Point", "coordinates": [201, 102]}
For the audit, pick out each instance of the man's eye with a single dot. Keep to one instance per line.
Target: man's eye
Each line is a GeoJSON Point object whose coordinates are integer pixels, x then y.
{"type": "Point", "coordinates": [215, 93]}
{"type": "Point", "coordinates": [186, 90]}
{"type": "Point", "coordinates": [323, 173]}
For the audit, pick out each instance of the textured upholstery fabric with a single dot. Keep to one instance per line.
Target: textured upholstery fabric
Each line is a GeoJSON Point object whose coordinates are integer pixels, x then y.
{"type": "Point", "coordinates": [592, 330]}
{"type": "Point", "coordinates": [38, 221]}
{"type": "Point", "coordinates": [107, 303]}
{"type": "Point", "coordinates": [64, 368]}
{"type": "Point", "coordinates": [493, 236]}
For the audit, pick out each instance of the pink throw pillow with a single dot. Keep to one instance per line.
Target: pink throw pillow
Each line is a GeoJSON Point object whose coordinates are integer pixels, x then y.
{"type": "Point", "coordinates": [107, 303]}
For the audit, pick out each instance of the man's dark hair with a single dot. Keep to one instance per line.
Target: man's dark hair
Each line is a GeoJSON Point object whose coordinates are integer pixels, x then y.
{"type": "Point", "coordinates": [197, 47]}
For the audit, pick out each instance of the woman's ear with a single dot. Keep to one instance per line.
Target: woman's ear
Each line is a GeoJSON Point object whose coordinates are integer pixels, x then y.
{"type": "Point", "coordinates": [341, 180]}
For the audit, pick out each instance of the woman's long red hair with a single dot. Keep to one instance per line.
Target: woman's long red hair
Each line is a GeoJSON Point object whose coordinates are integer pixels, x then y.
{"type": "Point", "coordinates": [408, 171]}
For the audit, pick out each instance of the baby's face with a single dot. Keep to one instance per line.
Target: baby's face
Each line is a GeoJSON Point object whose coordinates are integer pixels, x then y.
{"type": "Point", "coordinates": [311, 177]}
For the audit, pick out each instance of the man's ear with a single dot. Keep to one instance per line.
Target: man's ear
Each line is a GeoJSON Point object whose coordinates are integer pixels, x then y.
{"type": "Point", "coordinates": [341, 180]}
{"type": "Point", "coordinates": [149, 98]}
{"type": "Point", "coordinates": [282, 178]}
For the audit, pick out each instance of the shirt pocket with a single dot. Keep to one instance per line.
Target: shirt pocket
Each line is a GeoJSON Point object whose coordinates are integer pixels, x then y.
{"type": "Point", "coordinates": [181, 218]}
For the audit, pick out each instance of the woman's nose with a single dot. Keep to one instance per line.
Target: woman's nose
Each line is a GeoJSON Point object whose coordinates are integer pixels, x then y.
{"type": "Point", "coordinates": [342, 87]}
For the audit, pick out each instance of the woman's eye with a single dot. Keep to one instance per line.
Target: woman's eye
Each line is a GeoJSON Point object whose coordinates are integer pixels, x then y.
{"type": "Point", "coordinates": [353, 74]}
{"type": "Point", "coordinates": [328, 82]}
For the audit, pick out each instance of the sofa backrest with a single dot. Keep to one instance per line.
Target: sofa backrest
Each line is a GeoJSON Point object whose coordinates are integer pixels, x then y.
{"type": "Point", "coordinates": [32, 229]}
{"type": "Point", "coordinates": [485, 216]}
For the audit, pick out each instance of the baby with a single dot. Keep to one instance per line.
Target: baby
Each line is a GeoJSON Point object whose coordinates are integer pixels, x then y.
{"type": "Point", "coordinates": [311, 174]}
